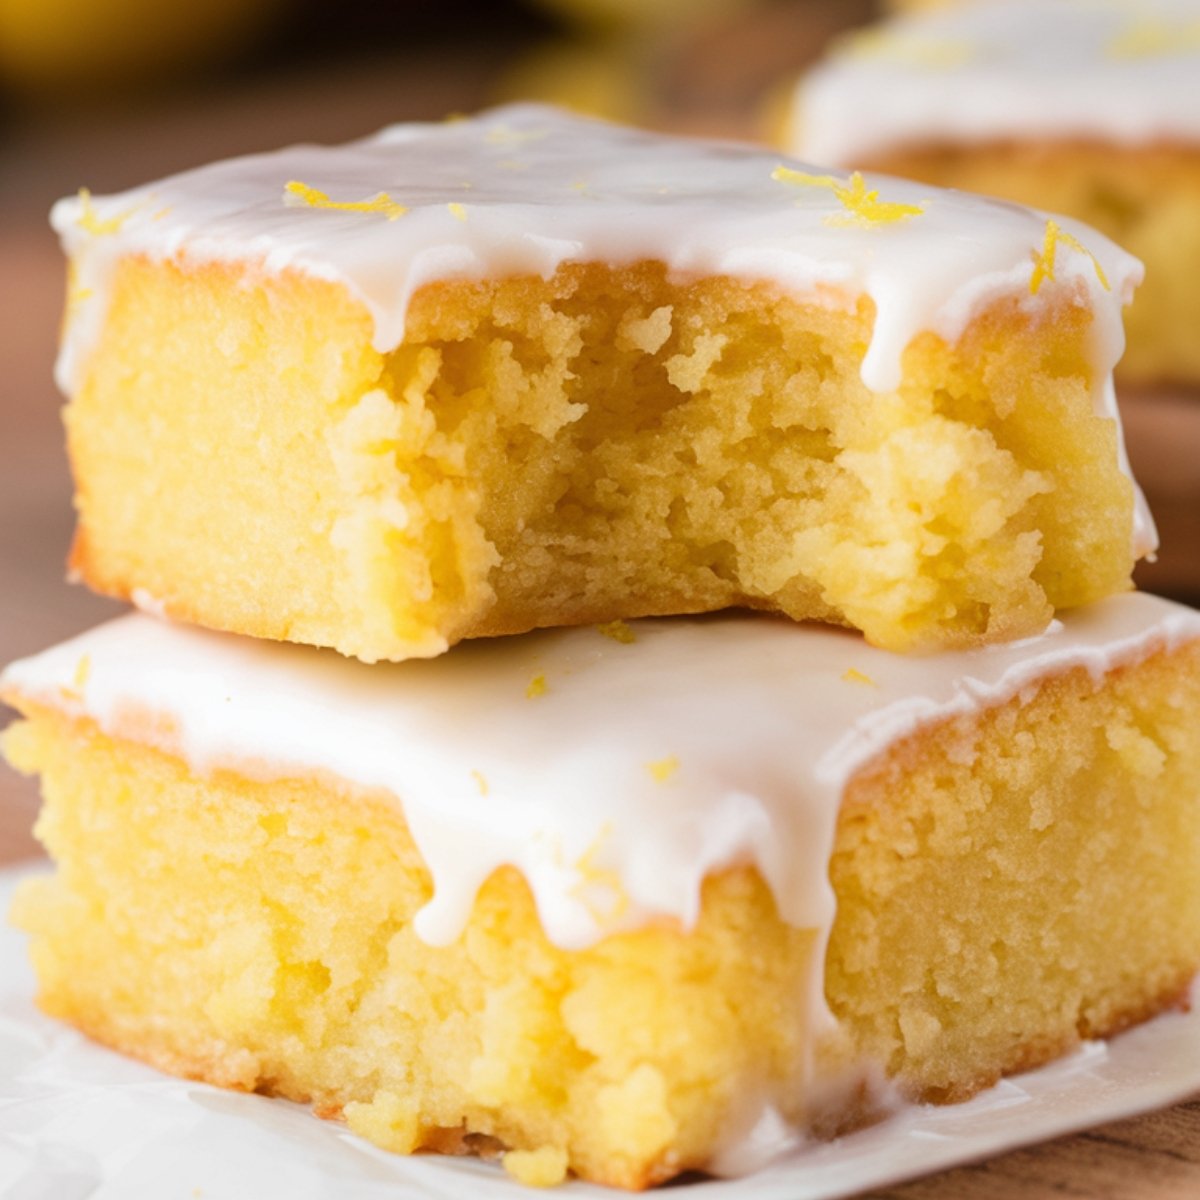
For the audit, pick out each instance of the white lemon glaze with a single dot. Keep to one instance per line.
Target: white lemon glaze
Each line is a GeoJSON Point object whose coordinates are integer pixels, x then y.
{"type": "Point", "coordinates": [1118, 71]}
{"type": "Point", "coordinates": [703, 743]}
{"type": "Point", "coordinates": [524, 189]}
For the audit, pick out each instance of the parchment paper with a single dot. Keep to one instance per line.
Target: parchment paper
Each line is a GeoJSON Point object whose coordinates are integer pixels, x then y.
{"type": "Point", "coordinates": [78, 1122]}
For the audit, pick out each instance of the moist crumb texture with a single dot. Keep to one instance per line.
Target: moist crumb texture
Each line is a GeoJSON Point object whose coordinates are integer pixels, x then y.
{"type": "Point", "coordinates": [606, 443]}
{"type": "Point", "coordinates": [1006, 885]}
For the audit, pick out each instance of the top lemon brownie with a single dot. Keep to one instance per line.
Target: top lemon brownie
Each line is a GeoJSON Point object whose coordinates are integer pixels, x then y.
{"type": "Point", "coordinates": [528, 369]}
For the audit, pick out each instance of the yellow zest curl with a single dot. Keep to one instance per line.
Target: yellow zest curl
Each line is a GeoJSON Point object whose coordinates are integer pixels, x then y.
{"type": "Point", "coordinates": [863, 204]}
{"type": "Point", "coordinates": [90, 221]}
{"type": "Point", "coordinates": [604, 880]}
{"type": "Point", "coordinates": [853, 676]}
{"type": "Point", "coordinates": [502, 135]}
{"type": "Point", "coordinates": [76, 297]}
{"type": "Point", "coordinates": [480, 782]}
{"type": "Point", "coordinates": [536, 688]}
{"type": "Point", "coordinates": [662, 769]}
{"type": "Point", "coordinates": [83, 669]}
{"type": "Point", "coordinates": [1043, 260]}
{"type": "Point", "coordinates": [300, 193]}
{"type": "Point", "coordinates": [458, 211]}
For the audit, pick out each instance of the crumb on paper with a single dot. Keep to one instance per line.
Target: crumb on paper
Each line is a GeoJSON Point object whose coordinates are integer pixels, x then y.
{"type": "Point", "coordinates": [853, 675]}
{"type": "Point", "coordinates": [544, 1167]}
{"type": "Point", "coordinates": [618, 631]}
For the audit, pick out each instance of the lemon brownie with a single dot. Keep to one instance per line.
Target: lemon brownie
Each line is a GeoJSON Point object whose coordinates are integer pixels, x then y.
{"type": "Point", "coordinates": [1085, 107]}
{"type": "Point", "coordinates": [526, 370]}
{"type": "Point", "coordinates": [625, 901]}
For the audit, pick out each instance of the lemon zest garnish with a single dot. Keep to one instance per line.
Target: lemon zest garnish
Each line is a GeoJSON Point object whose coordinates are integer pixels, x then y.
{"type": "Point", "coordinates": [457, 210]}
{"type": "Point", "coordinates": [74, 690]}
{"type": "Point", "coordinates": [480, 782]}
{"type": "Point", "coordinates": [593, 877]}
{"type": "Point", "coordinates": [162, 212]}
{"type": "Point", "coordinates": [1044, 260]}
{"type": "Point", "coordinates": [536, 688]}
{"type": "Point", "coordinates": [502, 135]}
{"type": "Point", "coordinates": [863, 204]}
{"type": "Point", "coordinates": [76, 297]}
{"type": "Point", "coordinates": [618, 631]}
{"type": "Point", "coordinates": [663, 768]}
{"type": "Point", "coordinates": [91, 222]}
{"type": "Point", "coordinates": [854, 676]}
{"type": "Point", "coordinates": [380, 203]}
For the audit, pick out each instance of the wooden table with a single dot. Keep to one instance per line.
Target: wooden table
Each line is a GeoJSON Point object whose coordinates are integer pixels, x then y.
{"type": "Point", "coordinates": [1151, 1158]}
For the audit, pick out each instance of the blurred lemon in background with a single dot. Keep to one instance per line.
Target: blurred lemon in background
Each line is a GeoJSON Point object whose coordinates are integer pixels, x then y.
{"type": "Point", "coordinates": [72, 45]}
{"type": "Point", "coordinates": [640, 14]}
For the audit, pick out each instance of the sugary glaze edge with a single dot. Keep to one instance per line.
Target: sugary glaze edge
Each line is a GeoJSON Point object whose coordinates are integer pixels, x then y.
{"type": "Point", "coordinates": [524, 189]}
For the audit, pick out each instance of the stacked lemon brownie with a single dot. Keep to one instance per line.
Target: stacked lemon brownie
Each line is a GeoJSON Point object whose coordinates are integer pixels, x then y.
{"type": "Point", "coordinates": [631, 896]}
{"type": "Point", "coordinates": [1086, 107]}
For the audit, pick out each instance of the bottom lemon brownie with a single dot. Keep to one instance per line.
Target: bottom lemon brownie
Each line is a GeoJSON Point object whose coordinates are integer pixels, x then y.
{"type": "Point", "coordinates": [619, 902]}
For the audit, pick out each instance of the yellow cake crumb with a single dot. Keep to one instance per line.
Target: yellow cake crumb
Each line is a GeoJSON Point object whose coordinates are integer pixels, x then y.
{"type": "Point", "coordinates": [619, 631]}
{"type": "Point", "coordinates": [536, 688]}
{"type": "Point", "coordinates": [635, 1113]}
{"type": "Point", "coordinates": [389, 1120]}
{"type": "Point", "coordinates": [545, 1167]}
{"type": "Point", "coordinates": [457, 210]}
